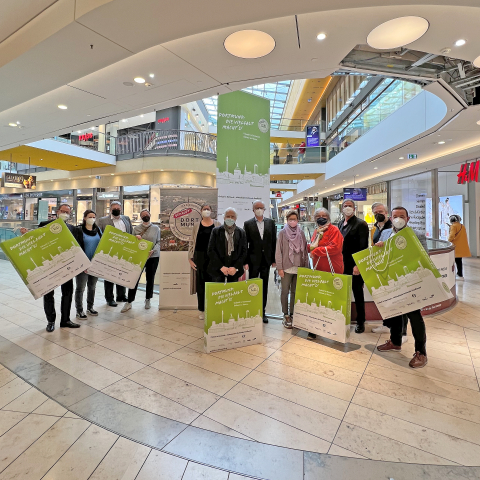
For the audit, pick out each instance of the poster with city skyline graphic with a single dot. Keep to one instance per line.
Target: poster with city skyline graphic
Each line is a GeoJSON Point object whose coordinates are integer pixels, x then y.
{"type": "Point", "coordinates": [400, 276]}
{"type": "Point", "coordinates": [46, 258]}
{"type": "Point", "coordinates": [233, 315]}
{"type": "Point", "coordinates": [243, 153]}
{"type": "Point", "coordinates": [323, 304]}
{"type": "Point", "coordinates": [120, 257]}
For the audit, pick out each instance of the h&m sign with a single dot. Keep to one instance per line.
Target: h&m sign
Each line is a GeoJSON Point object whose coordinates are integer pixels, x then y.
{"type": "Point", "coordinates": [469, 172]}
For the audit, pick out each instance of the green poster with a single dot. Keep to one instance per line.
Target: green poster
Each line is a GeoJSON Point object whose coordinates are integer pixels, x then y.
{"type": "Point", "coordinates": [233, 315]}
{"type": "Point", "coordinates": [120, 257]}
{"type": "Point", "coordinates": [243, 153]}
{"type": "Point", "coordinates": [323, 304]}
{"type": "Point", "coordinates": [46, 258]}
{"type": "Point", "coordinates": [400, 276]}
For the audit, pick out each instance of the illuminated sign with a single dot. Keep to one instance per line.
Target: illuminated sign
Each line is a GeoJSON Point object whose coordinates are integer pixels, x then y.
{"type": "Point", "coordinates": [86, 136]}
{"type": "Point", "coordinates": [163, 120]}
{"type": "Point", "coordinates": [15, 180]}
{"type": "Point", "coordinates": [468, 172]}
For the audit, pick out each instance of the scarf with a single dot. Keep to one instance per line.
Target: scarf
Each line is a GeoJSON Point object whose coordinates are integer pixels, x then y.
{"type": "Point", "coordinates": [93, 232]}
{"type": "Point", "coordinates": [318, 235]}
{"type": "Point", "coordinates": [230, 232]}
{"type": "Point", "coordinates": [295, 241]}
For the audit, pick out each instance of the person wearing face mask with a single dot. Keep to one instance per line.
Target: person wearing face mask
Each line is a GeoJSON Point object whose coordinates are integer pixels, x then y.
{"type": "Point", "coordinates": [227, 249]}
{"type": "Point", "coordinates": [291, 253]}
{"type": "Point", "coordinates": [146, 231]}
{"type": "Point", "coordinates": [458, 236]}
{"type": "Point", "coordinates": [400, 220]}
{"type": "Point", "coordinates": [262, 242]}
{"type": "Point", "coordinates": [198, 257]}
{"type": "Point", "coordinates": [355, 239]}
{"type": "Point", "coordinates": [122, 223]}
{"type": "Point", "coordinates": [91, 237]}
{"type": "Point", "coordinates": [382, 221]}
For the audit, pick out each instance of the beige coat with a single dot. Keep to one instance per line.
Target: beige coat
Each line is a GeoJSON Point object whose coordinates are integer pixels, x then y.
{"type": "Point", "coordinates": [458, 236]}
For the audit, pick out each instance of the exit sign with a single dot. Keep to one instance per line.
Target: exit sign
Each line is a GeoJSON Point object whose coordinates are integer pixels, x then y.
{"type": "Point", "coordinates": [412, 156]}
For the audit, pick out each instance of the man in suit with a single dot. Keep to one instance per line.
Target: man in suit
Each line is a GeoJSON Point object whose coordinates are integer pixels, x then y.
{"type": "Point", "coordinates": [122, 223]}
{"type": "Point", "coordinates": [63, 212]}
{"type": "Point", "coordinates": [261, 242]}
{"type": "Point", "coordinates": [355, 238]}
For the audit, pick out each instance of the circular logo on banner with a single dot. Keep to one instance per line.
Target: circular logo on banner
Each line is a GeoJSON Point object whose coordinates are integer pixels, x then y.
{"type": "Point", "coordinates": [263, 125]}
{"type": "Point", "coordinates": [338, 283]}
{"type": "Point", "coordinates": [400, 242]}
{"type": "Point", "coordinates": [253, 289]}
{"type": "Point", "coordinates": [142, 245]}
{"type": "Point", "coordinates": [55, 228]}
{"type": "Point", "coordinates": [183, 218]}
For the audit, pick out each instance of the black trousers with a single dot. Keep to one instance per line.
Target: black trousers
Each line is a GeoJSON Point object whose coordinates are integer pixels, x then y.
{"type": "Point", "coordinates": [459, 262]}
{"type": "Point", "coordinates": [201, 278]}
{"type": "Point", "coordinates": [388, 324]}
{"type": "Point", "coordinates": [263, 272]}
{"type": "Point", "coordinates": [230, 278]}
{"type": "Point", "coordinates": [109, 291]}
{"type": "Point", "coordinates": [418, 330]}
{"type": "Point", "coordinates": [151, 266]}
{"type": "Point", "coordinates": [66, 305]}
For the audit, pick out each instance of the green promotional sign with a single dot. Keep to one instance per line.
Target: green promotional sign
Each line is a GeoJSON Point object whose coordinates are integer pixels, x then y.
{"type": "Point", "coordinates": [233, 315]}
{"type": "Point", "coordinates": [120, 257]}
{"type": "Point", "coordinates": [46, 258]}
{"type": "Point", "coordinates": [243, 152]}
{"type": "Point", "coordinates": [323, 304]}
{"type": "Point", "coordinates": [400, 276]}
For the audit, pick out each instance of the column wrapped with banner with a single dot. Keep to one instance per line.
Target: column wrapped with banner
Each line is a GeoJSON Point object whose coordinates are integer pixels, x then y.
{"type": "Point", "coordinates": [233, 315]}
{"type": "Point", "coordinates": [400, 276]}
{"type": "Point", "coordinates": [323, 303]}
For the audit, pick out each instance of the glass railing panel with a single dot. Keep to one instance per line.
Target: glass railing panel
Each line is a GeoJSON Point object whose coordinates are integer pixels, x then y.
{"type": "Point", "coordinates": [98, 141]}
{"type": "Point", "coordinates": [297, 155]}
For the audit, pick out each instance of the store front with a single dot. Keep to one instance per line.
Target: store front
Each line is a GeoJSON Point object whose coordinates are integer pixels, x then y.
{"type": "Point", "coordinates": [104, 197]}
{"type": "Point", "coordinates": [135, 199]}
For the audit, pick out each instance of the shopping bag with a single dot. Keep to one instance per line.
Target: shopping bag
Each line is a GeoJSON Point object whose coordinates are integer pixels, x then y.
{"type": "Point", "coordinates": [323, 303]}
{"type": "Point", "coordinates": [400, 276]}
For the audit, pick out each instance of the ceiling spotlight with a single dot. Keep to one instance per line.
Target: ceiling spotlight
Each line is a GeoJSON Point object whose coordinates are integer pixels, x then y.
{"type": "Point", "coordinates": [62, 107]}
{"type": "Point", "coordinates": [152, 75]}
{"type": "Point", "coordinates": [11, 124]}
{"type": "Point", "coordinates": [139, 80]}
{"type": "Point", "coordinates": [18, 123]}
{"type": "Point", "coordinates": [161, 170]}
{"type": "Point", "coordinates": [478, 123]}
{"type": "Point", "coordinates": [441, 142]}
{"type": "Point", "coordinates": [460, 42]}
{"type": "Point", "coordinates": [476, 62]}
{"type": "Point", "coordinates": [321, 36]}
{"type": "Point", "coordinates": [401, 158]}
{"type": "Point", "coordinates": [191, 171]}
{"type": "Point", "coordinates": [124, 120]}
{"type": "Point", "coordinates": [112, 174]}
{"type": "Point", "coordinates": [138, 171]}
{"type": "Point", "coordinates": [375, 168]}
{"type": "Point", "coordinates": [249, 44]}
{"type": "Point", "coordinates": [397, 32]}
{"type": "Point", "coordinates": [141, 116]}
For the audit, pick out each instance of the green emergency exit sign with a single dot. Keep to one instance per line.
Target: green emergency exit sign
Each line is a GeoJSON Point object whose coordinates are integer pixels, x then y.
{"type": "Point", "coordinates": [412, 156]}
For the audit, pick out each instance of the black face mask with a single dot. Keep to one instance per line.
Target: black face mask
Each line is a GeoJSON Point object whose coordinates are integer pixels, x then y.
{"type": "Point", "coordinates": [321, 221]}
{"type": "Point", "coordinates": [380, 217]}
{"type": "Point", "coordinates": [146, 218]}
{"type": "Point", "coordinates": [116, 212]}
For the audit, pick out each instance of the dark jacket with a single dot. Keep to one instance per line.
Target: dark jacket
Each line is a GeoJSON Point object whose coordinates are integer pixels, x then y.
{"type": "Point", "coordinates": [217, 252]}
{"type": "Point", "coordinates": [78, 235]}
{"type": "Point", "coordinates": [355, 239]}
{"type": "Point", "coordinates": [257, 249]}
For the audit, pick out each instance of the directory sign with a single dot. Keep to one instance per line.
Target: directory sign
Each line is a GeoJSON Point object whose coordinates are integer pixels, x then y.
{"type": "Point", "coordinates": [313, 136]}
{"type": "Point", "coordinates": [355, 194]}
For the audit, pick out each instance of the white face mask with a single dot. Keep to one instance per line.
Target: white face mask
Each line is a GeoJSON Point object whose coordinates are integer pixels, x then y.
{"type": "Point", "coordinates": [64, 216]}
{"type": "Point", "coordinates": [90, 221]}
{"type": "Point", "coordinates": [229, 222]}
{"type": "Point", "coordinates": [259, 212]}
{"type": "Point", "coordinates": [399, 223]}
{"type": "Point", "coordinates": [206, 213]}
{"type": "Point", "coordinates": [348, 211]}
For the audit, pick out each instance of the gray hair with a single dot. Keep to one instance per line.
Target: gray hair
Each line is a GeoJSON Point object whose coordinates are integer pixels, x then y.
{"type": "Point", "coordinates": [230, 209]}
{"type": "Point", "coordinates": [349, 200]}
{"type": "Point", "coordinates": [144, 210]}
{"type": "Point", "coordinates": [321, 210]}
{"type": "Point", "coordinates": [379, 204]}
{"type": "Point", "coordinates": [115, 202]}
{"type": "Point", "coordinates": [258, 201]}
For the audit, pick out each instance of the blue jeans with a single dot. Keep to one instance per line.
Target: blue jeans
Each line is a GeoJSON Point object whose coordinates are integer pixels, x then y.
{"type": "Point", "coordinates": [83, 279]}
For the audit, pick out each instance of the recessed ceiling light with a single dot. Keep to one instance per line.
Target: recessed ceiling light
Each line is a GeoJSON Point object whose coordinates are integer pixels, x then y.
{"type": "Point", "coordinates": [460, 42]}
{"type": "Point", "coordinates": [11, 124]}
{"type": "Point", "coordinates": [112, 174]}
{"type": "Point", "coordinates": [138, 171]}
{"type": "Point", "coordinates": [191, 171]}
{"type": "Point", "coordinates": [401, 158]}
{"type": "Point", "coordinates": [152, 75]}
{"type": "Point", "coordinates": [124, 120]}
{"type": "Point", "coordinates": [375, 168]}
{"type": "Point", "coordinates": [249, 44]}
{"type": "Point", "coordinates": [321, 36]}
{"type": "Point", "coordinates": [139, 80]}
{"type": "Point", "coordinates": [62, 107]}
{"type": "Point", "coordinates": [18, 123]}
{"type": "Point", "coordinates": [476, 62]}
{"type": "Point", "coordinates": [51, 180]}
{"type": "Point", "coordinates": [161, 170]}
{"type": "Point", "coordinates": [397, 32]}
{"type": "Point", "coordinates": [89, 176]}
{"type": "Point", "coordinates": [141, 116]}
{"type": "Point", "coordinates": [441, 142]}
{"type": "Point", "coordinates": [478, 123]}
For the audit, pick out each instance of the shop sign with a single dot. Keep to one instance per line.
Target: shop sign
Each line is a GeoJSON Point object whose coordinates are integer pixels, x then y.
{"type": "Point", "coordinates": [278, 195]}
{"type": "Point", "coordinates": [468, 172]}
{"type": "Point", "coordinates": [108, 195]}
{"type": "Point", "coordinates": [163, 120]}
{"type": "Point", "coordinates": [86, 136]}
{"type": "Point", "coordinates": [16, 180]}
{"type": "Point", "coordinates": [34, 195]}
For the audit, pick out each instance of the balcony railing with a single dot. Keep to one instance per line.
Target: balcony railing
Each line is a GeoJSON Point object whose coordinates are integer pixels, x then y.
{"type": "Point", "coordinates": [295, 124]}
{"type": "Point", "coordinates": [98, 141]}
{"type": "Point", "coordinates": [298, 155]}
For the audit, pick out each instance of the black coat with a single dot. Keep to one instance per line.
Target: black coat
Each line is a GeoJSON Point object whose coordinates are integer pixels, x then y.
{"type": "Point", "coordinates": [217, 252]}
{"type": "Point", "coordinates": [78, 235]}
{"type": "Point", "coordinates": [355, 239]}
{"type": "Point", "coordinates": [258, 249]}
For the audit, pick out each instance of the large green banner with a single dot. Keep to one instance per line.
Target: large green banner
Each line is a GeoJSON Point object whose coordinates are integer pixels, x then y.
{"type": "Point", "coordinates": [243, 153]}
{"type": "Point", "coordinates": [323, 304]}
{"type": "Point", "coordinates": [46, 258]}
{"type": "Point", "coordinates": [400, 276]}
{"type": "Point", "coordinates": [120, 257]}
{"type": "Point", "coordinates": [233, 315]}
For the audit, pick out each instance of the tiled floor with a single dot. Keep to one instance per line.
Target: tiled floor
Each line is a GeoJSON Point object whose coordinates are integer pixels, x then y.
{"type": "Point", "coordinates": [301, 396]}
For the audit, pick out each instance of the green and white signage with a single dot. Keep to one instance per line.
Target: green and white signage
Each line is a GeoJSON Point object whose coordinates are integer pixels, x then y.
{"type": "Point", "coordinates": [400, 276]}
{"type": "Point", "coordinates": [323, 304]}
{"type": "Point", "coordinates": [46, 258]}
{"type": "Point", "coordinates": [233, 315]}
{"type": "Point", "coordinates": [120, 257]}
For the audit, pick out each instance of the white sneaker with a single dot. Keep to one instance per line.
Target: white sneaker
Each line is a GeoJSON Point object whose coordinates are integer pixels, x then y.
{"type": "Point", "coordinates": [147, 304]}
{"type": "Point", "coordinates": [201, 316]}
{"type": "Point", "coordinates": [404, 339]}
{"type": "Point", "coordinates": [126, 307]}
{"type": "Point", "coordinates": [381, 329]}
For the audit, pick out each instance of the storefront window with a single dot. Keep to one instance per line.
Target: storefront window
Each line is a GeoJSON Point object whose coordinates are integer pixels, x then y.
{"type": "Point", "coordinates": [84, 201]}
{"type": "Point", "coordinates": [104, 197]}
{"type": "Point", "coordinates": [11, 206]}
{"type": "Point", "coordinates": [135, 199]}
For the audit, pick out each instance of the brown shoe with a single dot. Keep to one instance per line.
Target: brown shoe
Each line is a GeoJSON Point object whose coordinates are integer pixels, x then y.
{"type": "Point", "coordinates": [388, 346]}
{"type": "Point", "coordinates": [418, 360]}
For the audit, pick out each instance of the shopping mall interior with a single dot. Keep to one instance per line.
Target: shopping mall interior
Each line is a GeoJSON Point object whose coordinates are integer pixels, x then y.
{"type": "Point", "coordinates": [107, 101]}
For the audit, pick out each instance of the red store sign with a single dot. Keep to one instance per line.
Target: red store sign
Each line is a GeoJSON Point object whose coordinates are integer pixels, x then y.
{"type": "Point", "coordinates": [469, 172]}
{"type": "Point", "coordinates": [86, 136]}
{"type": "Point", "coordinates": [163, 120]}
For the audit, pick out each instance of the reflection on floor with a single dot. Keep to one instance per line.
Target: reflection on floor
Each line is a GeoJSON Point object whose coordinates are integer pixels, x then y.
{"type": "Point", "coordinates": [290, 392]}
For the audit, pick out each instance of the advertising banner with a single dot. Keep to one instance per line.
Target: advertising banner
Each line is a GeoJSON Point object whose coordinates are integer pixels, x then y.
{"type": "Point", "coordinates": [46, 258]}
{"type": "Point", "coordinates": [355, 194]}
{"type": "Point", "coordinates": [15, 180]}
{"type": "Point", "coordinates": [119, 257]}
{"type": "Point", "coordinates": [323, 304]}
{"type": "Point", "coordinates": [448, 206]}
{"type": "Point", "coordinates": [313, 136]}
{"type": "Point", "coordinates": [243, 153]}
{"type": "Point", "coordinates": [233, 315]}
{"type": "Point", "coordinates": [401, 277]}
